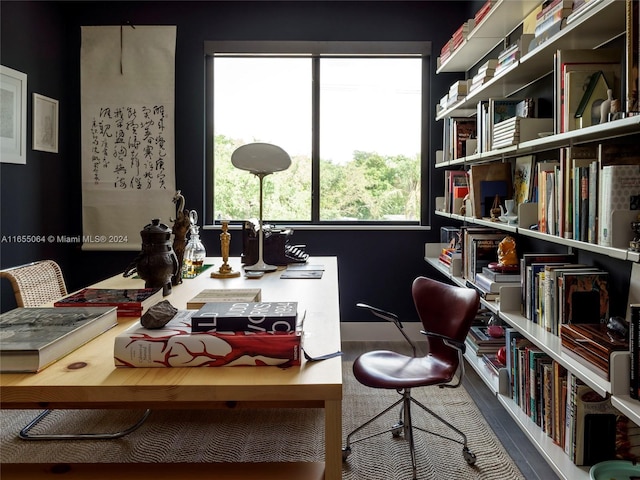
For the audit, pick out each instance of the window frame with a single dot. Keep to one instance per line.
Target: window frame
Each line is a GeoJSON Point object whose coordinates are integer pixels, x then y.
{"type": "Point", "coordinates": [317, 50]}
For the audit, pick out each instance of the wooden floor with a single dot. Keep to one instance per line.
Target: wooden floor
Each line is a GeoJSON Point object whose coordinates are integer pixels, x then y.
{"type": "Point", "coordinates": [521, 450]}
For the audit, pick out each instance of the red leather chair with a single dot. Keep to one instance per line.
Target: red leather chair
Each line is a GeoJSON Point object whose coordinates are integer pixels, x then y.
{"type": "Point", "coordinates": [446, 313]}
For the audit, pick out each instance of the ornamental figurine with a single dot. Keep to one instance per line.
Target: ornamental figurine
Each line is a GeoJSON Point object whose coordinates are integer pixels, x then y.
{"type": "Point", "coordinates": [507, 256]}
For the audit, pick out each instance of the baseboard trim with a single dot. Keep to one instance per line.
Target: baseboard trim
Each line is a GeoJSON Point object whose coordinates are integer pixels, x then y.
{"type": "Point", "coordinates": [378, 331]}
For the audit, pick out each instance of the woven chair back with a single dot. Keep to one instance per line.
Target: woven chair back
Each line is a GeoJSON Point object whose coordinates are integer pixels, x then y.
{"type": "Point", "coordinates": [36, 283]}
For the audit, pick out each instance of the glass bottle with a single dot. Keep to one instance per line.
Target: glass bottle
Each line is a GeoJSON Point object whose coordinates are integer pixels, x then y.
{"type": "Point", "coordinates": [194, 254]}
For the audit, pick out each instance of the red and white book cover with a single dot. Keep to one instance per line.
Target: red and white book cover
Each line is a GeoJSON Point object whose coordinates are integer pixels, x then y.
{"type": "Point", "coordinates": [175, 346]}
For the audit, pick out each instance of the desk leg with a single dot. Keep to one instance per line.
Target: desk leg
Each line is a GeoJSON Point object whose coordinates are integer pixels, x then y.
{"type": "Point", "coordinates": [333, 439]}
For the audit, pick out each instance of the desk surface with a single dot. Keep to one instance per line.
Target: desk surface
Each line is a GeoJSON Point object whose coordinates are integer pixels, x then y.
{"type": "Point", "coordinates": [87, 377]}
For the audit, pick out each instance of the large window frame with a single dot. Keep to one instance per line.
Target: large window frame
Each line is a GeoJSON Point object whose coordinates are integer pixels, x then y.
{"type": "Point", "coordinates": [317, 50]}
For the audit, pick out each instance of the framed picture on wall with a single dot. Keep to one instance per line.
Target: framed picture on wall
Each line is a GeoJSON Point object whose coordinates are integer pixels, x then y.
{"type": "Point", "coordinates": [633, 55]}
{"type": "Point", "coordinates": [45, 123]}
{"type": "Point", "coordinates": [13, 115]}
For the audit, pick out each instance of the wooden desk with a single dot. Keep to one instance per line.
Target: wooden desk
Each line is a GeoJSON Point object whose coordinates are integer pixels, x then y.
{"type": "Point", "coordinates": [100, 384]}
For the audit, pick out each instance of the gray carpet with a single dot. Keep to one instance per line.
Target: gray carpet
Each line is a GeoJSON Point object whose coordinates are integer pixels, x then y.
{"type": "Point", "coordinates": [268, 435]}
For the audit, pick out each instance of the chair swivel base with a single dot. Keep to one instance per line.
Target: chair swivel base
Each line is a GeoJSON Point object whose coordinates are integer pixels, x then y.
{"type": "Point", "coordinates": [26, 435]}
{"type": "Point", "coordinates": [405, 426]}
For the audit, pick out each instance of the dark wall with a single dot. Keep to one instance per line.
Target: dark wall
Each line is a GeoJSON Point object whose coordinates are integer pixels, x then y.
{"type": "Point", "coordinates": [42, 39]}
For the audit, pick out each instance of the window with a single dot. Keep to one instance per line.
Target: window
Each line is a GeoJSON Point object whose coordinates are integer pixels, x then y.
{"type": "Point", "coordinates": [353, 124]}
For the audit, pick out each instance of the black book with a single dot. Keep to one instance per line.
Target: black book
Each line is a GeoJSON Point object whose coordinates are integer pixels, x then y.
{"type": "Point", "coordinates": [253, 317]}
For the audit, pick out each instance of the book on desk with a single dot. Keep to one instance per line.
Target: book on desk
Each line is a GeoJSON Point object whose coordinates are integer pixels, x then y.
{"type": "Point", "coordinates": [175, 345]}
{"type": "Point", "coordinates": [32, 338]}
{"type": "Point", "coordinates": [130, 302]}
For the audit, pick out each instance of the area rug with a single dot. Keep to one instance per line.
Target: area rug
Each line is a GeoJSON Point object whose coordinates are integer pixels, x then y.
{"type": "Point", "coordinates": [274, 435]}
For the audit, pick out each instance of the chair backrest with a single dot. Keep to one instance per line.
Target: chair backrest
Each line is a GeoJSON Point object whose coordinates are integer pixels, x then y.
{"type": "Point", "coordinates": [446, 310]}
{"type": "Point", "coordinates": [36, 283]}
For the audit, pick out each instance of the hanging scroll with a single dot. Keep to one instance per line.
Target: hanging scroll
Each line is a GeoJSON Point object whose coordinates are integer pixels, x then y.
{"type": "Point", "coordinates": [128, 141]}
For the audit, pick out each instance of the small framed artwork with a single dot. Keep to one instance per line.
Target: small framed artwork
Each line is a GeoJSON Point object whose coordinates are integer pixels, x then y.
{"type": "Point", "coordinates": [13, 116]}
{"type": "Point", "coordinates": [45, 123]}
{"type": "Point", "coordinates": [633, 55]}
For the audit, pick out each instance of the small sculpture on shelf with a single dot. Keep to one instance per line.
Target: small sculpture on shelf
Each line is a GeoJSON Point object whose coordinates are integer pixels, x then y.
{"type": "Point", "coordinates": [507, 256]}
{"type": "Point", "coordinates": [180, 226]}
{"type": "Point", "coordinates": [194, 252]}
{"type": "Point", "coordinates": [496, 209]}
{"type": "Point", "coordinates": [225, 270]}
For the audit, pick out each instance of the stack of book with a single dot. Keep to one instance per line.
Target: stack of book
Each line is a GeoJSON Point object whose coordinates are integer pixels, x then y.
{"type": "Point", "coordinates": [481, 343]}
{"type": "Point", "coordinates": [551, 19]}
{"type": "Point", "coordinates": [485, 73]}
{"type": "Point", "coordinates": [490, 281]}
{"type": "Point", "coordinates": [458, 91]}
{"type": "Point", "coordinates": [513, 52]}
{"type": "Point", "coordinates": [248, 340]}
{"type": "Point", "coordinates": [457, 39]}
{"type": "Point", "coordinates": [518, 129]}
{"type": "Point", "coordinates": [131, 302]}
{"type": "Point", "coordinates": [451, 259]}
{"type": "Point", "coordinates": [483, 12]}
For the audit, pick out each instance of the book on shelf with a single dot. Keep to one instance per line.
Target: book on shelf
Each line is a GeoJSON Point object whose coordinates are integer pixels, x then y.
{"type": "Point", "coordinates": [580, 7]}
{"type": "Point", "coordinates": [463, 129]}
{"type": "Point", "coordinates": [576, 79]}
{"type": "Point", "coordinates": [174, 345]}
{"type": "Point", "coordinates": [484, 294]}
{"type": "Point", "coordinates": [454, 179]}
{"type": "Point", "coordinates": [491, 360]}
{"type": "Point", "coordinates": [553, 307]}
{"type": "Point", "coordinates": [598, 432]}
{"type": "Point", "coordinates": [619, 204]}
{"type": "Point", "coordinates": [593, 343]}
{"type": "Point", "coordinates": [492, 286]}
{"type": "Point", "coordinates": [31, 338]}
{"type": "Point", "coordinates": [583, 297]}
{"type": "Point", "coordinates": [544, 194]}
{"type": "Point", "coordinates": [488, 172]}
{"type": "Point", "coordinates": [481, 342]}
{"type": "Point", "coordinates": [522, 179]}
{"type": "Point", "coordinates": [481, 14]}
{"type": "Point", "coordinates": [552, 14]}
{"type": "Point", "coordinates": [570, 158]}
{"type": "Point", "coordinates": [518, 129]}
{"type": "Point", "coordinates": [224, 295]}
{"type": "Point", "coordinates": [501, 277]}
{"type": "Point", "coordinates": [130, 302]}
{"type": "Point", "coordinates": [594, 174]}
{"type": "Point", "coordinates": [565, 57]}
{"type": "Point", "coordinates": [480, 249]}
{"type": "Point", "coordinates": [245, 317]}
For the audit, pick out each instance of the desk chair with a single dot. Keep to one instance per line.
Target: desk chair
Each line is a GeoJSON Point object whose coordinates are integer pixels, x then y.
{"type": "Point", "coordinates": [36, 284]}
{"type": "Point", "coordinates": [446, 313]}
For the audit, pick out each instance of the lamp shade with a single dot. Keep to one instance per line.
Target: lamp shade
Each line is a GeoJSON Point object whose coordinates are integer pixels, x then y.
{"type": "Point", "coordinates": [259, 158]}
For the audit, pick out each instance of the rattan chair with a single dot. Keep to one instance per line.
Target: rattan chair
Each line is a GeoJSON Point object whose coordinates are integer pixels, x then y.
{"type": "Point", "coordinates": [36, 284]}
{"type": "Point", "coordinates": [446, 313]}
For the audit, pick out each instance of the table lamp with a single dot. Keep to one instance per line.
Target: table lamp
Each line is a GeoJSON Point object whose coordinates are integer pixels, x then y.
{"type": "Point", "coordinates": [261, 159]}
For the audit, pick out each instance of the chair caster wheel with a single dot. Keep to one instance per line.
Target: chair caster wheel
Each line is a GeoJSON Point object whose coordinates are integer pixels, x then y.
{"type": "Point", "coordinates": [396, 430]}
{"type": "Point", "coordinates": [469, 456]}
{"type": "Point", "coordinates": [346, 451]}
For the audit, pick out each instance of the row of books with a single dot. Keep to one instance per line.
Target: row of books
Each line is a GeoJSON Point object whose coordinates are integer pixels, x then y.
{"type": "Point", "coordinates": [556, 291]}
{"type": "Point", "coordinates": [573, 415]}
{"type": "Point", "coordinates": [585, 197]}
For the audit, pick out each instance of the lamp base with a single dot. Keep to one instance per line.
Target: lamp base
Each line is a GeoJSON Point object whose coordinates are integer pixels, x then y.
{"type": "Point", "coordinates": [260, 267]}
